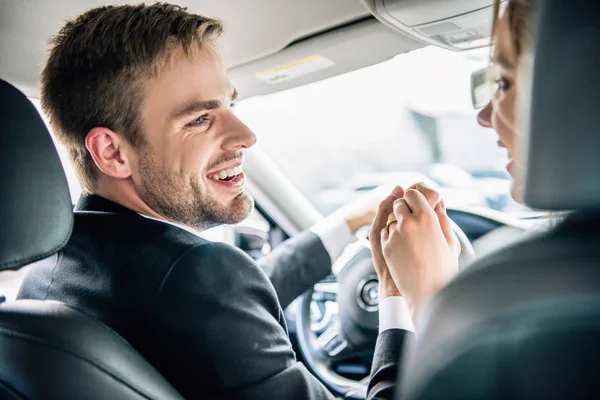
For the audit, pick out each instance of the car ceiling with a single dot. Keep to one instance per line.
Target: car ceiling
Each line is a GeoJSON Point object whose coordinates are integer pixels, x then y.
{"type": "Point", "coordinates": [259, 35]}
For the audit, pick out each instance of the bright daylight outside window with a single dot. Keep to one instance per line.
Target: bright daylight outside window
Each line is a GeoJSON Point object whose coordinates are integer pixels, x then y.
{"type": "Point", "coordinates": [405, 120]}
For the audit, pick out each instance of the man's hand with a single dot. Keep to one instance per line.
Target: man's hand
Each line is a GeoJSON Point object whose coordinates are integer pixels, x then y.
{"type": "Point", "coordinates": [420, 248]}
{"type": "Point", "coordinates": [362, 211]}
{"type": "Point", "coordinates": [387, 287]}
{"type": "Point", "coordinates": [360, 219]}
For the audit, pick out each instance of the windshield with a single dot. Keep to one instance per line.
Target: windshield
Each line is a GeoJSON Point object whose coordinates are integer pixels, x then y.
{"type": "Point", "coordinates": [405, 120]}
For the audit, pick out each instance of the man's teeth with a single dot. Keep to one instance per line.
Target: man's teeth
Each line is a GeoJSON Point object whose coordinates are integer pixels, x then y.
{"type": "Point", "coordinates": [230, 173]}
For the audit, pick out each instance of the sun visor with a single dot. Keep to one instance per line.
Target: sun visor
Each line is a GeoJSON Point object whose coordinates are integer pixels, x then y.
{"type": "Point", "coordinates": [455, 25]}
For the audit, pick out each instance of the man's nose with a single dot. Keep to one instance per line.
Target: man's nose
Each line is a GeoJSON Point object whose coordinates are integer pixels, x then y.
{"type": "Point", "coordinates": [238, 135]}
{"type": "Point", "coordinates": [485, 116]}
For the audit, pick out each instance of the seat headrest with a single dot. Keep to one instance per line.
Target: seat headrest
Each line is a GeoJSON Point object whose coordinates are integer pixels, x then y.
{"type": "Point", "coordinates": [35, 207]}
{"type": "Point", "coordinates": [563, 140]}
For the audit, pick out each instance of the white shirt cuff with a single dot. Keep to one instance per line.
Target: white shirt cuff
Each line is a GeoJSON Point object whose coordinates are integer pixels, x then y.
{"type": "Point", "coordinates": [394, 314]}
{"type": "Point", "coordinates": [335, 235]}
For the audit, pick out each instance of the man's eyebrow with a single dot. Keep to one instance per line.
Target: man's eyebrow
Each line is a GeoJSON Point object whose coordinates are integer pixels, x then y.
{"type": "Point", "coordinates": [196, 107]}
{"type": "Point", "coordinates": [503, 62]}
{"type": "Point", "coordinates": [200, 106]}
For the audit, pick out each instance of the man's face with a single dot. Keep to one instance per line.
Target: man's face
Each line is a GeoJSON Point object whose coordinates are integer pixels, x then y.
{"type": "Point", "coordinates": [190, 169]}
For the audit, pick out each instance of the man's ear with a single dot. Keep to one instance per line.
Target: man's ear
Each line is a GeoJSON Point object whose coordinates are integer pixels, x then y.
{"type": "Point", "coordinates": [109, 152]}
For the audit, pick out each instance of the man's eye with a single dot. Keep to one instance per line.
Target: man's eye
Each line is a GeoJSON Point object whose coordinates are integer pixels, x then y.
{"type": "Point", "coordinates": [198, 121]}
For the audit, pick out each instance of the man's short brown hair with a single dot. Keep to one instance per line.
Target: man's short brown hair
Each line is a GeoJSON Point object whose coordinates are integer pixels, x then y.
{"type": "Point", "coordinates": [96, 63]}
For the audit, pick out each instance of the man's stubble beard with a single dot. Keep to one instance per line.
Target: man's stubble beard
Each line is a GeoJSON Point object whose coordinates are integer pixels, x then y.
{"type": "Point", "coordinates": [179, 197]}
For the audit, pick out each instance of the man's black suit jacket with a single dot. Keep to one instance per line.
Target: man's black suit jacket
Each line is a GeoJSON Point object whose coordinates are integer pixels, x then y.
{"type": "Point", "coordinates": [204, 314]}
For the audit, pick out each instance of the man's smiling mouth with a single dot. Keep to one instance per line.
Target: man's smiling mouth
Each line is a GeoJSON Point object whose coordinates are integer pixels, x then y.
{"type": "Point", "coordinates": [231, 178]}
{"type": "Point", "coordinates": [227, 175]}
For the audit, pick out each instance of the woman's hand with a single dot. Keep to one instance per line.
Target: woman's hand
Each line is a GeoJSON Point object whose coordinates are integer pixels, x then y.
{"type": "Point", "coordinates": [420, 248]}
{"type": "Point", "coordinates": [387, 287]}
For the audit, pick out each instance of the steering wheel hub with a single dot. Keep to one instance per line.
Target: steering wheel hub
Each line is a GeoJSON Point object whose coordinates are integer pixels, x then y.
{"type": "Point", "coordinates": [367, 293]}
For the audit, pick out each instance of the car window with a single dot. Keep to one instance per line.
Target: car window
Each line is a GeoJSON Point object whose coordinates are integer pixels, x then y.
{"type": "Point", "coordinates": [397, 122]}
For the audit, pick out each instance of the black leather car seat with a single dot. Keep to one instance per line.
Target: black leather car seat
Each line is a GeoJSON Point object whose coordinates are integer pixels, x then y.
{"type": "Point", "coordinates": [49, 350]}
{"type": "Point", "coordinates": [524, 323]}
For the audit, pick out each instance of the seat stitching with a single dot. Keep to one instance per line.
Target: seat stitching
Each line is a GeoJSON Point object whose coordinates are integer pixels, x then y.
{"type": "Point", "coordinates": [29, 260]}
{"type": "Point", "coordinates": [58, 257]}
{"type": "Point", "coordinates": [12, 390]}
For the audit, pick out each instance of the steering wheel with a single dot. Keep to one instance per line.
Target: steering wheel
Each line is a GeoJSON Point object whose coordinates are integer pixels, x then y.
{"type": "Point", "coordinates": [347, 324]}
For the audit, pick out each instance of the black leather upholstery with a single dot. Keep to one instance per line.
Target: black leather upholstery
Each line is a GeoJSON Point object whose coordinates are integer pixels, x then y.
{"type": "Point", "coordinates": [49, 350]}
{"type": "Point", "coordinates": [35, 206]}
{"type": "Point", "coordinates": [524, 323]}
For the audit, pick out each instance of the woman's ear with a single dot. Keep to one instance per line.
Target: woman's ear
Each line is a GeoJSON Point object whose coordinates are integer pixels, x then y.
{"type": "Point", "coordinates": [109, 152]}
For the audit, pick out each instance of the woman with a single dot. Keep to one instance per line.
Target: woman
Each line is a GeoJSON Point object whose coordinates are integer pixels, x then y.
{"type": "Point", "coordinates": [411, 222]}
{"type": "Point", "coordinates": [511, 39]}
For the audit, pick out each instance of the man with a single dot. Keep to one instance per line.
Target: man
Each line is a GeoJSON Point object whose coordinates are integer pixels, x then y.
{"type": "Point", "coordinates": [141, 100]}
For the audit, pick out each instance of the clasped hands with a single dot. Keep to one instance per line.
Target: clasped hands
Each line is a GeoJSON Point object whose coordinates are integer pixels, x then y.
{"type": "Point", "coordinates": [415, 251]}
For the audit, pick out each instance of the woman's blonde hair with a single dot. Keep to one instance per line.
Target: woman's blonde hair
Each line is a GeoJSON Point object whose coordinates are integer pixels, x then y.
{"type": "Point", "coordinates": [519, 14]}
